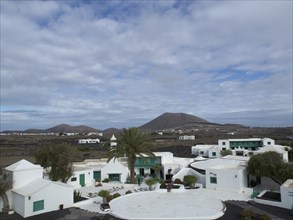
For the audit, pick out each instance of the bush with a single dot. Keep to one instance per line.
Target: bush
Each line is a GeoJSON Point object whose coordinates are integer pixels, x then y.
{"type": "Point", "coordinates": [163, 186]}
{"type": "Point", "coordinates": [76, 196]}
{"type": "Point", "coordinates": [128, 192]}
{"type": "Point", "coordinates": [225, 152]}
{"type": "Point", "coordinates": [106, 180]}
{"type": "Point", "coordinates": [150, 182]}
{"type": "Point", "coordinates": [116, 195]}
{"type": "Point", "coordinates": [189, 180]}
{"type": "Point", "coordinates": [109, 198]}
{"type": "Point", "coordinates": [247, 214]}
{"type": "Point", "coordinates": [104, 193]}
{"type": "Point", "coordinates": [177, 181]}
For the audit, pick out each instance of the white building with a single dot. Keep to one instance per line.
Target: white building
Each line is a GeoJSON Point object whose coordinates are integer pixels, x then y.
{"type": "Point", "coordinates": [31, 194]}
{"type": "Point", "coordinates": [227, 174]}
{"type": "Point", "coordinates": [240, 147]}
{"type": "Point", "coordinates": [115, 170]}
{"type": "Point", "coordinates": [89, 141]}
{"type": "Point", "coordinates": [286, 193]}
{"type": "Point", "coordinates": [187, 137]}
{"type": "Point", "coordinates": [37, 197]}
{"type": "Point", "coordinates": [113, 141]}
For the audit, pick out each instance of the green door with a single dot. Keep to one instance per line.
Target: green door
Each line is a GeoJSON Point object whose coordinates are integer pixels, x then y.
{"type": "Point", "coordinates": [97, 175]}
{"type": "Point", "coordinates": [81, 180]}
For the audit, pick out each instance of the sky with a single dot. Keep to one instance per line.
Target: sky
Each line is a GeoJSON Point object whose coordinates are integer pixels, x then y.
{"type": "Point", "coordinates": [122, 63]}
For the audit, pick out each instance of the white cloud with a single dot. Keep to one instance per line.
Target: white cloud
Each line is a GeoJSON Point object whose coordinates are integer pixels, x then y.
{"type": "Point", "coordinates": [131, 61]}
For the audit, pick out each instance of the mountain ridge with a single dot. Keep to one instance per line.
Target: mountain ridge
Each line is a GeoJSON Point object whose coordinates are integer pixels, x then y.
{"type": "Point", "coordinates": [170, 120]}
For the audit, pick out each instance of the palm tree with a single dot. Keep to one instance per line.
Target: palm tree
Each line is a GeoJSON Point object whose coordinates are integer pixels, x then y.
{"type": "Point", "coordinates": [132, 143]}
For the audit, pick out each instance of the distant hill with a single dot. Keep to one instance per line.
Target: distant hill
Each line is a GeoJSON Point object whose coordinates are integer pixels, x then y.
{"type": "Point", "coordinates": [64, 128]}
{"type": "Point", "coordinates": [112, 130]}
{"type": "Point", "coordinates": [173, 121]}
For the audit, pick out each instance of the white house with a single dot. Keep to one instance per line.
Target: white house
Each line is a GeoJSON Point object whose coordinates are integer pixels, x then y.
{"type": "Point", "coordinates": [37, 197]}
{"type": "Point", "coordinates": [23, 172]}
{"type": "Point", "coordinates": [211, 151]}
{"type": "Point", "coordinates": [227, 173]}
{"type": "Point", "coordinates": [32, 195]}
{"type": "Point", "coordinates": [186, 137]}
{"type": "Point", "coordinates": [89, 141]}
{"type": "Point", "coordinates": [115, 170]}
{"type": "Point", "coordinates": [82, 176]}
{"type": "Point", "coordinates": [240, 147]}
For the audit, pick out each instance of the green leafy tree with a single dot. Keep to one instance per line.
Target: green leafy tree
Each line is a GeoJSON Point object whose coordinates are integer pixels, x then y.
{"type": "Point", "coordinates": [270, 164]}
{"type": "Point", "coordinates": [132, 142]}
{"type": "Point", "coordinates": [189, 180]}
{"type": "Point", "coordinates": [59, 158]}
{"type": "Point", "coordinates": [5, 185]}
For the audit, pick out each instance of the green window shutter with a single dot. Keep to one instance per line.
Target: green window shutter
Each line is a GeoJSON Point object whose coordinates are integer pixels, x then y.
{"type": "Point", "coordinates": [213, 180]}
{"type": "Point", "coordinates": [38, 205]}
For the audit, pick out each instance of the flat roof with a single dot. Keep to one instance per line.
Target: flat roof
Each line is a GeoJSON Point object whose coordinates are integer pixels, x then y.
{"type": "Point", "coordinates": [139, 206]}
{"type": "Point", "coordinates": [217, 163]}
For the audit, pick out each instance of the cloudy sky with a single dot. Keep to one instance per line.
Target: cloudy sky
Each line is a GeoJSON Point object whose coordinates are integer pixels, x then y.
{"type": "Point", "coordinates": [122, 63]}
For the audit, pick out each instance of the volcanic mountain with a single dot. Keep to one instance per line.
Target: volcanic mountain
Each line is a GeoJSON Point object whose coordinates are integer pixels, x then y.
{"type": "Point", "coordinates": [64, 128]}
{"type": "Point", "coordinates": [173, 121]}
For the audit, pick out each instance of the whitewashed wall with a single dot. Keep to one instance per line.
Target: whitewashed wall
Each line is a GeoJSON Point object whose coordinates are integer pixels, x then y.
{"type": "Point", "coordinates": [114, 166]}
{"type": "Point", "coordinates": [53, 195]}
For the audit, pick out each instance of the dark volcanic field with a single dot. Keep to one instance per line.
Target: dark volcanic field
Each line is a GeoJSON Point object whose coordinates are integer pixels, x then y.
{"type": "Point", "coordinates": [16, 147]}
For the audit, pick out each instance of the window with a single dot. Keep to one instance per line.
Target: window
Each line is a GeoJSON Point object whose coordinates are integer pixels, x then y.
{"type": "Point", "coordinates": [213, 180]}
{"type": "Point", "coordinates": [73, 179]}
{"type": "Point", "coordinates": [269, 143]}
{"type": "Point", "coordinates": [223, 143]}
{"type": "Point", "coordinates": [201, 152]}
{"type": "Point", "coordinates": [224, 148]}
{"type": "Point", "coordinates": [214, 154]}
{"type": "Point", "coordinates": [38, 205]}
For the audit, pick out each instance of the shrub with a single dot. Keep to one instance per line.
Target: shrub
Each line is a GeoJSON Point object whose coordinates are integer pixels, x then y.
{"type": "Point", "coordinates": [76, 196]}
{"type": "Point", "coordinates": [189, 180]}
{"type": "Point", "coordinates": [104, 193]}
{"type": "Point", "coordinates": [106, 180]}
{"type": "Point", "coordinates": [163, 185]}
{"type": "Point", "coordinates": [128, 192]}
{"type": "Point", "coordinates": [247, 214]}
{"type": "Point", "coordinates": [116, 195]}
{"type": "Point", "coordinates": [225, 152]}
{"type": "Point", "coordinates": [150, 182]}
{"type": "Point", "coordinates": [265, 216]}
{"type": "Point", "coordinates": [177, 181]}
{"type": "Point", "coordinates": [109, 198]}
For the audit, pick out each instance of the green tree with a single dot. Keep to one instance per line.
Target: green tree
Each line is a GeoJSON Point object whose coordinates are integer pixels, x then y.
{"type": "Point", "coordinates": [5, 185]}
{"type": "Point", "coordinates": [189, 180]}
{"type": "Point", "coordinates": [59, 158]}
{"type": "Point", "coordinates": [270, 164]}
{"type": "Point", "coordinates": [132, 142]}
